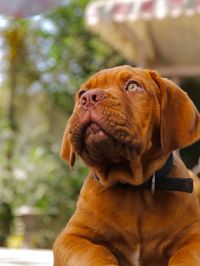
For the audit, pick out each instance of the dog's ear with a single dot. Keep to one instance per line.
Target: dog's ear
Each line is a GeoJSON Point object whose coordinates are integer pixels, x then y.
{"type": "Point", "coordinates": [66, 151]}
{"type": "Point", "coordinates": [180, 120]}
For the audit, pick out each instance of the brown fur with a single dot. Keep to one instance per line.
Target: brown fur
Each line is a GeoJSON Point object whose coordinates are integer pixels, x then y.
{"type": "Point", "coordinates": [114, 224]}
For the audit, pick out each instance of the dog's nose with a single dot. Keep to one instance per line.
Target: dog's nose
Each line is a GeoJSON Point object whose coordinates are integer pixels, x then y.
{"type": "Point", "coordinates": [90, 98]}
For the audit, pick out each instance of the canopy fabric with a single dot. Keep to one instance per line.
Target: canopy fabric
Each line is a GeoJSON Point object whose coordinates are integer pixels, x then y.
{"type": "Point", "coordinates": [149, 32]}
{"type": "Point", "coordinates": [123, 10]}
{"type": "Point", "coordinates": [25, 8]}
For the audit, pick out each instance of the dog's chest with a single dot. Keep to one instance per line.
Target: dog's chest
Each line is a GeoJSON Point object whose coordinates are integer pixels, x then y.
{"type": "Point", "coordinates": [143, 227]}
{"type": "Point", "coordinates": [137, 225]}
{"type": "Point", "coordinates": [135, 257]}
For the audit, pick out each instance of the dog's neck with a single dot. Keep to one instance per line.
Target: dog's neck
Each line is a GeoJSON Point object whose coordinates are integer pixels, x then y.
{"type": "Point", "coordinates": [152, 166]}
{"type": "Point", "coordinates": [161, 181]}
{"type": "Point", "coordinates": [134, 172]}
{"type": "Point", "coordinates": [152, 161]}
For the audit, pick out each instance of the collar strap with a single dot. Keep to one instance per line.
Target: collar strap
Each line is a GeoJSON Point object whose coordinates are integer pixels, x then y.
{"type": "Point", "coordinates": [159, 181]}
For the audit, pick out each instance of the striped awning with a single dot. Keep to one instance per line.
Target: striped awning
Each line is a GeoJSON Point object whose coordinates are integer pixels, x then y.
{"type": "Point", "coordinates": [149, 32]}
{"type": "Point", "coordinates": [124, 10]}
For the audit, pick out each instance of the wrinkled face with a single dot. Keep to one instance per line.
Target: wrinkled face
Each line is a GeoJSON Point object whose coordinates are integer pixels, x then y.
{"type": "Point", "coordinates": [114, 117]}
{"type": "Point", "coordinates": [125, 123]}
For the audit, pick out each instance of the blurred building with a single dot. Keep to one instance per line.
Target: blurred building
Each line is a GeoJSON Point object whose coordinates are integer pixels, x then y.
{"type": "Point", "coordinates": [159, 34]}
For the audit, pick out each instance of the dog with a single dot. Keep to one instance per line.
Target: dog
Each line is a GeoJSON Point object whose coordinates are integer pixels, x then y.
{"type": "Point", "coordinates": [139, 205]}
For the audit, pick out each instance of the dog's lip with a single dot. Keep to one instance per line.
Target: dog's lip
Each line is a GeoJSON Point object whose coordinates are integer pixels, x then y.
{"type": "Point", "coordinates": [93, 128]}
{"type": "Point", "coordinates": [85, 121]}
{"type": "Point", "coordinates": [93, 116]}
{"type": "Point", "coordinates": [103, 134]}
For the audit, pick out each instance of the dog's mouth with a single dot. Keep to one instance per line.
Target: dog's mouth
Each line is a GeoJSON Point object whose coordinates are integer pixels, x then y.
{"type": "Point", "coordinates": [93, 132]}
{"type": "Point", "coordinates": [107, 154]}
{"type": "Point", "coordinates": [108, 148]}
{"type": "Point", "coordinates": [104, 134]}
{"type": "Point", "coordinates": [101, 145]}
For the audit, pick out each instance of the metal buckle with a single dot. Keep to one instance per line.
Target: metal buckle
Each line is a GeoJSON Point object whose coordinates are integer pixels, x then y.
{"type": "Point", "coordinates": [153, 184]}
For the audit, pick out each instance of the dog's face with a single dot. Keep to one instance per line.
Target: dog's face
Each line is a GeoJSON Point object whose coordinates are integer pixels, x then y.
{"type": "Point", "coordinates": [110, 122]}
{"type": "Point", "coordinates": [121, 115]}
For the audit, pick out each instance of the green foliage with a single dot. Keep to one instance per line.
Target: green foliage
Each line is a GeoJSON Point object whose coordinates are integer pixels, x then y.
{"type": "Point", "coordinates": [71, 52]}
{"type": "Point", "coordinates": [55, 55]}
{"type": "Point", "coordinates": [45, 182]}
{"type": "Point", "coordinates": [5, 215]}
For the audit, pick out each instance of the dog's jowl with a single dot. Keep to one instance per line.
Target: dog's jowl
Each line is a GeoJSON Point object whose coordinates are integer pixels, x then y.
{"type": "Point", "coordinates": [139, 205]}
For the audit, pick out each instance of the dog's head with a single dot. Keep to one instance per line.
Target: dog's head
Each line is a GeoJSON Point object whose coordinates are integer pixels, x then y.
{"type": "Point", "coordinates": [127, 119]}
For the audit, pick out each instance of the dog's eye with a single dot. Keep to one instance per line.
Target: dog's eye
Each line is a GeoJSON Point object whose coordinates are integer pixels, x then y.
{"type": "Point", "coordinates": [133, 86]}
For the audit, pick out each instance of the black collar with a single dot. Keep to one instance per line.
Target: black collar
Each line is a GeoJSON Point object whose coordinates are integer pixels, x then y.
{"type": "Point", "coordinates": [160, 181]}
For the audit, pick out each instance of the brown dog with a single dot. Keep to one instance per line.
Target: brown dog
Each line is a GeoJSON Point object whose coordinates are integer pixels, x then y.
{"type": "Point", "coordinates": [136, 207]}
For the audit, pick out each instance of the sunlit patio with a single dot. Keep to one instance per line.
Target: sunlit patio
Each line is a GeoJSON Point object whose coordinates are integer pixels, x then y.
{"type": "Point", "coordinates": [27, 257]}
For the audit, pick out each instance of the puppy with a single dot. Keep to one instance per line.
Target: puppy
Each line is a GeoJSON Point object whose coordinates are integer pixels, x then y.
{"type": "Point", "coordinates": [139, 205]}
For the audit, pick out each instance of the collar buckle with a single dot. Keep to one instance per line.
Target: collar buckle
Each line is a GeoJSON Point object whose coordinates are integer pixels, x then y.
{"type": "Point", "coordinates": [153, 184]}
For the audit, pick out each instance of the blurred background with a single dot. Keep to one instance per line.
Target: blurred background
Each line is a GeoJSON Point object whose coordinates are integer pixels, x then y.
{"type": "Point", "coordinates": [47, 49]}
